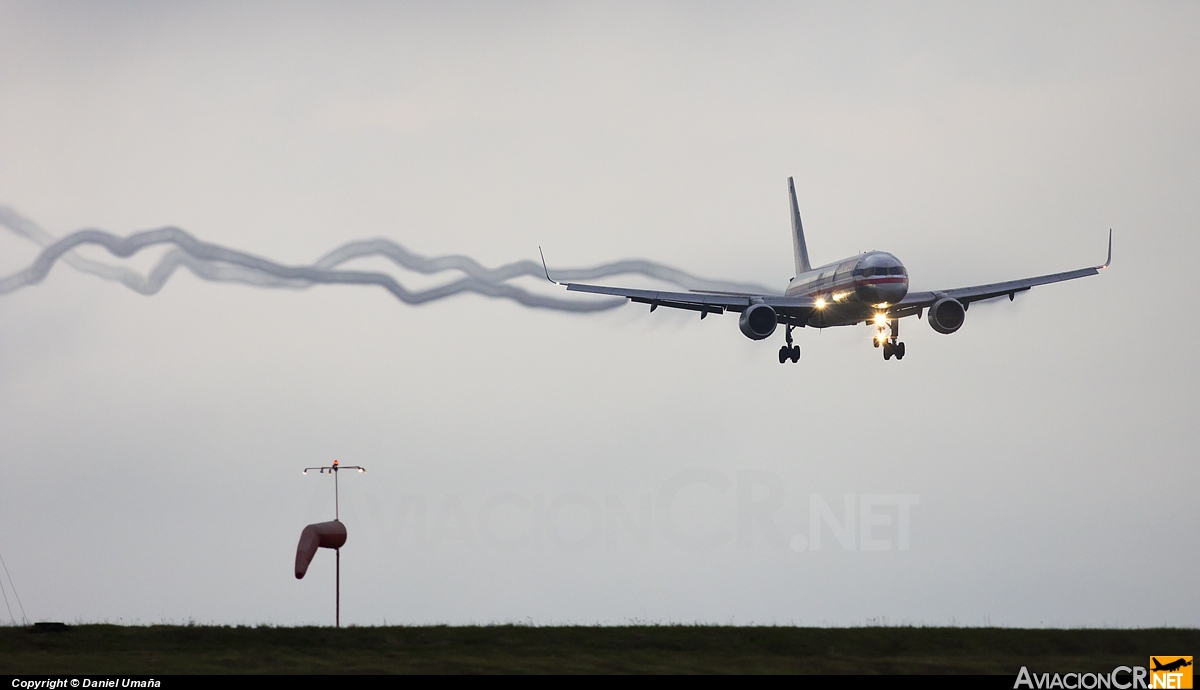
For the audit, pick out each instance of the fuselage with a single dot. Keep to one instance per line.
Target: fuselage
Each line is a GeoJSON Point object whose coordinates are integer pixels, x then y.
{"type": "Point", "coordinates": [852, 290]}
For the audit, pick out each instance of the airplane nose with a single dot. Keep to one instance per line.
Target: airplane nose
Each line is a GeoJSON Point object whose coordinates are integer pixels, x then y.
{"type": "Point", "coordinates": [893, 292]}
{"type": "Point", "coordinates": [878, 292]}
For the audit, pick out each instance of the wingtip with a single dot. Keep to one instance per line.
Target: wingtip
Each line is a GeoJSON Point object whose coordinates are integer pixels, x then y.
{"type": "Point", "coordinates": [1108, 261]}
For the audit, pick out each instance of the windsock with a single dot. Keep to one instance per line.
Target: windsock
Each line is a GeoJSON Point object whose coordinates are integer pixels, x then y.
{"type": "Point", "coordinates": [324, 535]}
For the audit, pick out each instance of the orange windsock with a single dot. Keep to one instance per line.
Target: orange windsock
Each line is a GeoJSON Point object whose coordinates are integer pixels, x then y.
{"type": "Point", "coordinates": [324, 535]}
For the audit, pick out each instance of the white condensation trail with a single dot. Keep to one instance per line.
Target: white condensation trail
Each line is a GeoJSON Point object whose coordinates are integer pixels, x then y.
{"type": "Point", "coordinates": [128, 246]}
{"type": "Point", "coordinates": [215, 263]}
{"type": "Point", "coordinates": [158, 276]}
{"type": "Point", "coordinates": [517, 269]}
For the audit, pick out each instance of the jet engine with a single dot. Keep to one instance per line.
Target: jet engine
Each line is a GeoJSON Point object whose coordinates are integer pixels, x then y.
{"type": "Point", "coordinates": [947, 315]}
{"type": "Point", "coordinates": [758, 322]}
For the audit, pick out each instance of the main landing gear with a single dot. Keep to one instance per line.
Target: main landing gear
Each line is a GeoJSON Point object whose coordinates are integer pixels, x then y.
{"type": "Point", "coordinates": [789, 351]}
{"type": "Point", "coordinates": [891, 346]}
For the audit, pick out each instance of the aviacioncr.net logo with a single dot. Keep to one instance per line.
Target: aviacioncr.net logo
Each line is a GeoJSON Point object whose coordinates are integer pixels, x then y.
{"type": "Point", "coordinates": [1164, 672]}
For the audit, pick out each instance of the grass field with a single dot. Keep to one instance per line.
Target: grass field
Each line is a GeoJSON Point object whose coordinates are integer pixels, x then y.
{"type": "Point", "coordinates": [111, 649]}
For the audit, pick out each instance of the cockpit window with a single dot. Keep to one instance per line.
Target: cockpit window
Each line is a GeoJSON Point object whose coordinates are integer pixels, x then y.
{"type": "Point", "coordinates": [881, 271]}
{"type": "Point", "coordinates": [886, 269]}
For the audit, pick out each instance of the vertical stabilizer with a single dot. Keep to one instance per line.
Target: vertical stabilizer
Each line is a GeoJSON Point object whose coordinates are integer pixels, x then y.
{"type": "Point", "coordinates": [802, 264]}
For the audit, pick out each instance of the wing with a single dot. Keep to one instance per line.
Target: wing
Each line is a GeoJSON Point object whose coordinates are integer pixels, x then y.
{"type": "Point", "coordinates": [788, 308]}
{"type": "Point", "coordinates": [704, 302]}
{"type": "Point", "coordinates": [916, 301]}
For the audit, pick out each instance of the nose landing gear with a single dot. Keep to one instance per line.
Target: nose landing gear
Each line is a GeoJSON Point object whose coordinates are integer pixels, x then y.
{"type": "Point", "coordinates": [892, 347]}
{"type": "Point", "coordinates": [789, 351]}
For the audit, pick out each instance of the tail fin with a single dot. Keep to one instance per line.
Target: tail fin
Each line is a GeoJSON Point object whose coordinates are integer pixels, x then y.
{"type": "Point", "coordinates": [802, 264]}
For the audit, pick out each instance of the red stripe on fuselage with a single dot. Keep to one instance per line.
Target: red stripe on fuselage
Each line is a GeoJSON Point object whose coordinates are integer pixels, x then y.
{"type": "Point", "coordinates": [870, 282]}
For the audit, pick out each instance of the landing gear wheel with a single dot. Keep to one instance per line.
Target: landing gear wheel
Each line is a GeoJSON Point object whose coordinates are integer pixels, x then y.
{"type": "Point", "coordinates": [899, 350]}
{"type": "Point", "coordinates": [876, 341]}
{"type": "Point", "coordinates": [888, 351]}
{"type": "Point", "coordinates": [789, 351]}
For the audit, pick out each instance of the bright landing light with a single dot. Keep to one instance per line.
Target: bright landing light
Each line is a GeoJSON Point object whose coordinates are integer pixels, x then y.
{"type": "Point", "coordinates": [880, 327]}
{"type": "Point", "coordinates": [819, 304]}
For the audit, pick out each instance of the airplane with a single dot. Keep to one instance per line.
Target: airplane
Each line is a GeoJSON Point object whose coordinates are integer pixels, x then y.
{"type": "Point", "coordinates": [1181, 662]}
{"type": "Point", "coordinates": [870, 288]}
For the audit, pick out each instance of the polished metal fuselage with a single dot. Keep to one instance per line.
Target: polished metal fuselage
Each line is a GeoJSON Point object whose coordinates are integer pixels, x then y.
{"type": "Point", "coordinates": [851, 290]}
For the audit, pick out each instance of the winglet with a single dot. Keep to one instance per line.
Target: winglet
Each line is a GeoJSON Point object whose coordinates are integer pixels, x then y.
{"type": "Point", "coordinates": [546, 269]}
{"type": "Point", "coordinates": [1109, 259]}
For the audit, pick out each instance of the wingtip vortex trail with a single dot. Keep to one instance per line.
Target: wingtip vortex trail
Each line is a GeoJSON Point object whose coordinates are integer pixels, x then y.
{"type": "Point", "coordinates": [220, 264]}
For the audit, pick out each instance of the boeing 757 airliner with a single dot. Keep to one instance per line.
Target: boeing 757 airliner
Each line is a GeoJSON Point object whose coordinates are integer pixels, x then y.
{"type": "Point", "coordinates": [870, 288]}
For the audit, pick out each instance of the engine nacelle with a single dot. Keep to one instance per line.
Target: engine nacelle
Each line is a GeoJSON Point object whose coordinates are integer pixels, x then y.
{"type": "Point", "coordinates": [947, 315]}
{"type": "Point", "coordinates": [758, 322]}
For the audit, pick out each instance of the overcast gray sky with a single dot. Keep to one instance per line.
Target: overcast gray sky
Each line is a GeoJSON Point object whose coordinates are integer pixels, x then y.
{"type": "Point", "coordinates": [544, 467]}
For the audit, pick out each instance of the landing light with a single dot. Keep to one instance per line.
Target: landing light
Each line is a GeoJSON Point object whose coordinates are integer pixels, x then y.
{"type": "Point", "coordinates": [819, 304]}
{"type": "Point", "coordinates": [880, 319]}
